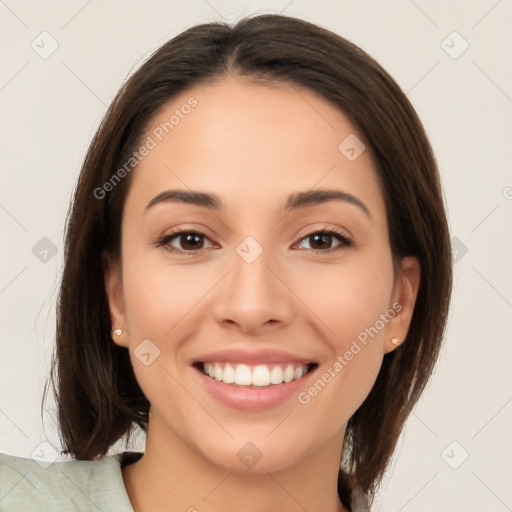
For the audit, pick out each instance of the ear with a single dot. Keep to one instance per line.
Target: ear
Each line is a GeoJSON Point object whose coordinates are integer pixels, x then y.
{"type": "Point", "coordinates": [403, 301]}
{"type": "Point", "coordinates": [112, 276]}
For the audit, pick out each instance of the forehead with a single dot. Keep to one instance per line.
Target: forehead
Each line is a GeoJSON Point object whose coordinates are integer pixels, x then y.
{"type": "Point", "coordinates": [253, 140]}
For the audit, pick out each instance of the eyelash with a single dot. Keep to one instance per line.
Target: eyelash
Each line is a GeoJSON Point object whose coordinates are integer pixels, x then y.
{"type": "Point", "coordinates": [341, 237]}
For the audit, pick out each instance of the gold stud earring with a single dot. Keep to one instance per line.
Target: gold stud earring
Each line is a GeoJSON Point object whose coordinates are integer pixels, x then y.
{"type": "Point", "coordinates": [117, 332]}
{"type": "Point", "coordinates": [395, 341]}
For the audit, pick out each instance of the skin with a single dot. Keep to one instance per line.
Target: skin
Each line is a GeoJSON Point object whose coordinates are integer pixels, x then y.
{"type": "Point", "coordinates": [252, 145]}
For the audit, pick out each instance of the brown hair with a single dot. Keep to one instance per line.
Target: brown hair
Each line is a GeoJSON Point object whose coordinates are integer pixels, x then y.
{"type": "Point", "coordinates": [97, 395]}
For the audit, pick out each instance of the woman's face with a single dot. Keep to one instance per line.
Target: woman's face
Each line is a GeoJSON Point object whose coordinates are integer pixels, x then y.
{"type": "Point", "coordinates": [251, 290]}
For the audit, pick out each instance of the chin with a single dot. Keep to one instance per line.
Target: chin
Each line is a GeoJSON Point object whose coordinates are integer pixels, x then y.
{"type": "Point", "coordinates": [256, 455]}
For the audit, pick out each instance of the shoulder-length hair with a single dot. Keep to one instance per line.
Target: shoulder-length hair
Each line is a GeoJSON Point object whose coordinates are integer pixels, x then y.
{"type": "Point", "coordinates": [97, 395]}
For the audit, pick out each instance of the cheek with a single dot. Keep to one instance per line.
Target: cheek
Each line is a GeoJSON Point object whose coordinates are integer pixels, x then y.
{"type": "Point", "coordinates": [157, 295]}
{"type": "Point", "coordinates": [346, 298]}
{"type": "Point", "coordinates": [349, 311]}
{"type": "Point", "coordinates": [159, 301]}
{"type": "Point", "coordinates": [358, 295]}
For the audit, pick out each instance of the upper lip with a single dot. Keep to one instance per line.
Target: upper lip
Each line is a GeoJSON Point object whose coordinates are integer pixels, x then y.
{"type": "Point", "coordinates": [234, 355]}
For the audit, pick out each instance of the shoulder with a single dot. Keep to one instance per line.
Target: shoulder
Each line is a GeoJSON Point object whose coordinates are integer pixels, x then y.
{"type": "Point", "coordinates": [28, 485]}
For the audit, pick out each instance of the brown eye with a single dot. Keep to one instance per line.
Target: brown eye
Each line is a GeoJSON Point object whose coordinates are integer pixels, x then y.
{"type": "Point", "coordinates": [321, 241]}
{"type": "Point", "coordinates": [189, 242]}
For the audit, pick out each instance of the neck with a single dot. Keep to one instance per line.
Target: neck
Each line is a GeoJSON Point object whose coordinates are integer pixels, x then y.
{"type": "Point", "coordinates": [172, 476]}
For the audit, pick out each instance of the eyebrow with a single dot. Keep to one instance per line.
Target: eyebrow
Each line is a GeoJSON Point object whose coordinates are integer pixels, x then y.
{"type": "Point", "coordinates": [295, 201]}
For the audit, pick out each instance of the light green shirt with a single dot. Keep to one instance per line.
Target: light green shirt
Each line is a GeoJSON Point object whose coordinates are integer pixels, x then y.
{"type": "Point", "coordinates": [96, 486]}
{"type": "Point", "coordinates": [76, 485]}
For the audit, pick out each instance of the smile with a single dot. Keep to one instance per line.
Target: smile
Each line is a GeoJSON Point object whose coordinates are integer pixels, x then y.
{"type": "Point", "coordinates": [260, 375]}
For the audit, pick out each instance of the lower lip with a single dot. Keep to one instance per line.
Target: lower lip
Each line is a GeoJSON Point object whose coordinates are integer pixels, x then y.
{"type": "Point", "coordinates": [249, 398]}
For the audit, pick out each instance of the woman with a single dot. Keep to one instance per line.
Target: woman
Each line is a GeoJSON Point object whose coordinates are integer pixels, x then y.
{"type": "Point", "coordinates": [257, 273]}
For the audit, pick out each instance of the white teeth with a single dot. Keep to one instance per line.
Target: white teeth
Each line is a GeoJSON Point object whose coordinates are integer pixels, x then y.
{"type": "Point", "coordinates": [243, 375]}
{"type": "Point", "coordinates": [276, 375]}
{"type": "Point", "coordinates": [229, 374]}
{"type": "Point", "coordinates": [260, 375]}
{"type": "Point", "coordinates": [217, 372]}
{"type": "Point", "coordinates": [289, 373]}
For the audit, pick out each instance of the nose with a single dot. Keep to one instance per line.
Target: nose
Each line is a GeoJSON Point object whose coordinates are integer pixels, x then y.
{"type": "Point", "coordinates": [254, 297]}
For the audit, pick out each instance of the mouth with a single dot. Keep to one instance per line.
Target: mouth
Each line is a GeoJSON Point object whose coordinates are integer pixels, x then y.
{"type": "Point", "coordinates": [254, 376]}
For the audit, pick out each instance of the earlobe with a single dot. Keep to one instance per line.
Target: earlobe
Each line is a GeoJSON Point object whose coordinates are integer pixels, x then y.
{"type": "Point", "coordinates": [114, 290]}
{"type": "Point", "coordinates": [405, 293]}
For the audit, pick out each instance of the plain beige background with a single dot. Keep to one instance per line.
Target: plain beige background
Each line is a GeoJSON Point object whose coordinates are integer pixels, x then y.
{"type": "Point", "coordinates": [456, 451]}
